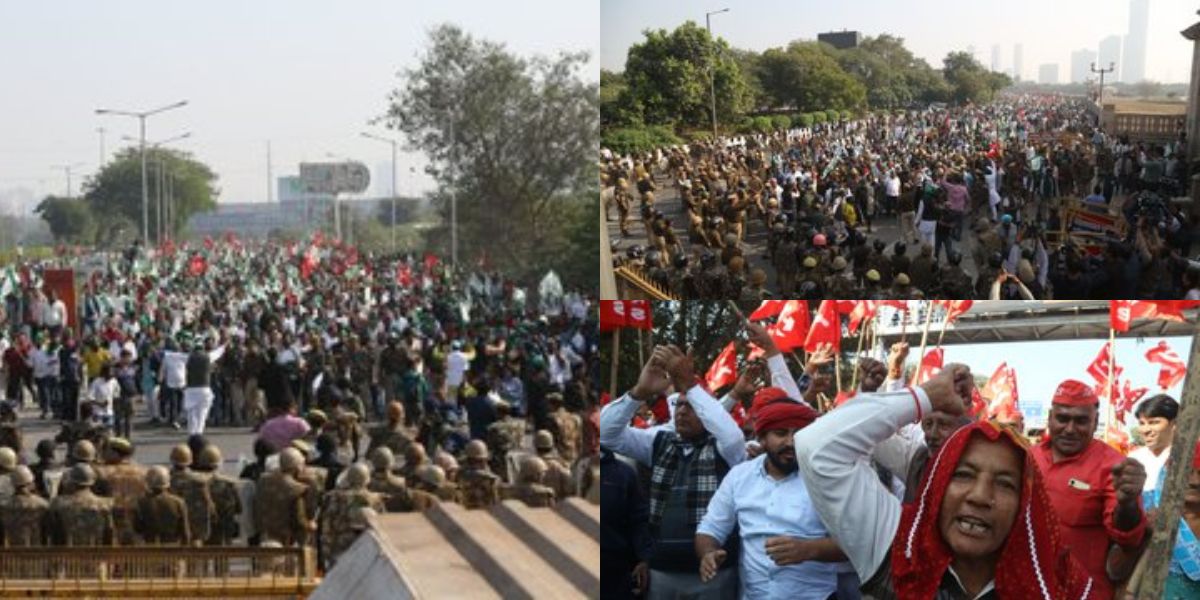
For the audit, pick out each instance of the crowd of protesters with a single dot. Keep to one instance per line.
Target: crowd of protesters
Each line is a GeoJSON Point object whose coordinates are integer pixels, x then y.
{"type": "Point", "coordinates": [975, 200]}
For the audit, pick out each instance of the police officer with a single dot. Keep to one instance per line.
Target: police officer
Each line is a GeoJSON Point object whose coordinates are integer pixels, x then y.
{"type": "Point", "coordinates": [226, 500]}
{"type": "Point", "coordinates": [558, 471]}
{"type": "Point", "coordinates": [23, 517]}
{"type": "Point", "coordinates": [341, 514]}
{"type": "Point", "coordinates": [125, 482]}
{"type": "Point", "coordinates": [480, 488]}
{"type": "Point", "coordinates": [923, 269]}
{"type": "Point", "coordinates": [81, 518]}
{"type": "Point", "coordinates": [503, 436]}
{"type": "Point", "coordinates": [787, 266]}
{"type": "Point", "coordinates": [194, 488]}
{"type": "Point", "coordinates": [281, 513]}
{"type": "Point", "coordinates": [529, 488]}
{"type": "Point", "coordinates": [393, 434]}
{"type": "Point", "coordinates": [955, 283]}
{"type": "Point", "coordinates": [161, 516]}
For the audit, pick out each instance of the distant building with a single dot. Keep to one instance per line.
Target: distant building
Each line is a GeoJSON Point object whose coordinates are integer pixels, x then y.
{"type": "Point", "coordinates": [1018, 62]}
{"type": "Point", "coordinates": [1134, 69]}
{"type": "Point", "coordinates": [1081, 65]}
{"type": "Point", "coordinates": [996, 58]}
{"type": "Point", "coordinates": [1048, 73]}
{"type": "Point", "coordinates": [841, 39]}
{"type": "Point", "coordinates": [1110, 53]}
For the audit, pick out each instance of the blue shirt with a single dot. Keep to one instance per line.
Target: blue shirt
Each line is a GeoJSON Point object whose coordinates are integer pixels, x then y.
{"type": "Point", "coordinates": [763, 507]}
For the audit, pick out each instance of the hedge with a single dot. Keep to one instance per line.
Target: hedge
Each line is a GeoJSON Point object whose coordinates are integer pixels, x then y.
{"type": "Point", "coordinates": [624, 140]}
{"type": "Point", "coordinates": [781, 122]}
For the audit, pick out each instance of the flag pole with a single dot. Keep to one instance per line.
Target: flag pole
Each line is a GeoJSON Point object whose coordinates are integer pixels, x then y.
{"type": "Point", "coordinates": [837, 369]}
{"type": "Point", "coordinates": [616, 351]}
{"type": "Point", "coordinates": [641, 350]}
{"type": "Point", "coordinates": [862, 333]}
{"type": "Point", "coordinates": [1112, 361]}
{"type": "Point", "coordinates": [924, 338]}
{"type": "Point", "coordinates": [945, 323]}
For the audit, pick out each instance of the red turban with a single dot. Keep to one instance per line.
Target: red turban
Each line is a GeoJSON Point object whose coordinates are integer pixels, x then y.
{"type": "Point", "coordinates": [783, 415]}
{"type": "Point", "coordinates": [766, 396]}
{"type": "Point", "coordinates": [1075, 393]}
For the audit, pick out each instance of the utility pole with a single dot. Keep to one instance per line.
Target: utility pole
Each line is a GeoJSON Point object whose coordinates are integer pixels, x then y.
{"type": "Point", "coordinates": [712, 72]}
{"type": "Point", "coordinates": [1102, 72]}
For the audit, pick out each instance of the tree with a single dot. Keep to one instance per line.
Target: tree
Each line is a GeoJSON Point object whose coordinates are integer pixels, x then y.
{"type": "Point", "coordinates": [618, 107]}
{"type": "Point", "coordinates": [68, 218]}
{"type": "Point", "coordinates": [969, 81]}
{"type": "Point", "coordinates": [514, 140]}
{"type": "Point", "coordinates": [669, 77]}
{"type": "Point", "coordinates": [806, 77]}
{"type": "Point", "coordinates": [114, 195]}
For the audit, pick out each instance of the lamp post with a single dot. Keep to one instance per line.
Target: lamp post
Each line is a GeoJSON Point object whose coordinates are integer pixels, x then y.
{"type": "Point", "coordinates": [393, 144]}
{"type": "Point", "coordinates": [712, 72]}
{"type": "Point", "coordinates": [67, 169]}
{"type": "Point", "coordinates": [162, 223]}
{"type": "Point", "coordinates": [141, 116]}
{"type": "Point", "coordinates": [1110, 69]}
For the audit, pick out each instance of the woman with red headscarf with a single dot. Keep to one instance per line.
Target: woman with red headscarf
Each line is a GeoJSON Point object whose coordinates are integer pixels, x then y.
{"type": "Point", "coordinates": [981, 526]}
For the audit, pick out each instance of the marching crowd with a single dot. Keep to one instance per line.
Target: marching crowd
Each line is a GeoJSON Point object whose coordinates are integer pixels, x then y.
{"type": "Point", "coordinates": [980, 196]}
{"type": "Point", "coordinates": [897, 492]}
{"type": "Point", "coordinates": [373, 384]}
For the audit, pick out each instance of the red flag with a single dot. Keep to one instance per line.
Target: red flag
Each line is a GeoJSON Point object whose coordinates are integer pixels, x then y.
{"type": "Point", "coordinates": [826, 329]}
{"type": "Point", "coordinates": [768, 308]}
{"type": "Point", "coordinates": [1099, 369]}
{"type": "Point", "coordinates": [900, 304]}
{"type": "Point", "coordinates": [639, 315]}
{"type": "Point", "coordinates": [197, 266]}
{"type": "Point", "coordinates": [612, 314]}
{"type": "Point", "coordinates": [739, 414]}
{"type": "Point", "coordinates": [1127, 398]}
{"type": "Point", "coordinates": [930, 365]}
{"type": "Point", "coordinates": [954, 308]}
{"type": "Point", "coordinates": [859, 311]}
{"type": "Point", "coordinates": [978, 404]}
{"type": "Point", "coordinates": [842, 397]}
{"type": "Point", "coordinates": [1173, 367]}
{"type": "Point", "coordinates": [1123, 312]}
{"type": "Point", "coordinates": [405, 279]}
{"type": "Point", "coordinates": [791, 327]}
{"type": "Point", "coordinates": [723, 371]}
{"type": "Point", "coordinates": [1001, 393]}
{"type": "Point", "coordinates": [431, 261]}
{"type": "Point", "coordinates": [308, 263]}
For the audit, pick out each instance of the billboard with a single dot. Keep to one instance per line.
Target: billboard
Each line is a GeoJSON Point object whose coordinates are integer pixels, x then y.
{"type": "Point", "coordinates": [335, 177]}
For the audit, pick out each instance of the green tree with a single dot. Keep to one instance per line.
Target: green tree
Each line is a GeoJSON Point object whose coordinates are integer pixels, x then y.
{"type": "Point", "coordinates": [969, 81]}
{"type": "Point", "coordinates": [618, 107]}
{"type": "Point", "coordinates": [806, 77]}
{"type": "Point", "coordinates": [669, 77]}
{"type": "Point", "coordinates": [69, 218]}
{"type": "Point", "coordinates": [514, 139]}
{"type": "Point", "coordinates": [114, 195]}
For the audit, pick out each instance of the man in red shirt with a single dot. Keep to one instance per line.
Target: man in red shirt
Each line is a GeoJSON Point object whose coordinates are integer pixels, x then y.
{"type": "Point", "coordinates": [1095, 491]}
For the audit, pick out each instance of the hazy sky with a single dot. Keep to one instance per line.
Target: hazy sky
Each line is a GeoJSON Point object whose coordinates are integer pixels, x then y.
{"type": "Point", "coordinates": [306, 75]}
{"type": "Point", "coordinates": [1049, 31]}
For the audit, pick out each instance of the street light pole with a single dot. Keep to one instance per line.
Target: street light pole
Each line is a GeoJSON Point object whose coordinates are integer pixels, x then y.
{"type": "Point", "coordinates": [1111, 67]}
{"type": "Point", "coordinates": [393, 144]}
{"type": "Point", "coordinates": [141, 116]}
{"type": "Point", "coordinates": [67, 169]}
{"type": "Point", "coordinates": [712, 72]}
{"type": "Point", "coordinates": [161, 182]}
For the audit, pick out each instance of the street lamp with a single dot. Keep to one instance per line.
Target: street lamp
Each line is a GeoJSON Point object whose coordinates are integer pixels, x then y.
{"type": "Point", "coordinates": [1111, 67]}
{"type": "Point", "coordinates": [712, 72]}
{"type": "Point", "coordinates": [141, 116]}
{"type": "Point", "coordinates": [393, 144]}
{"type": "Point", "coordinates": [162, 224]}
{"type": "Point", "coordinates": [68, 168]}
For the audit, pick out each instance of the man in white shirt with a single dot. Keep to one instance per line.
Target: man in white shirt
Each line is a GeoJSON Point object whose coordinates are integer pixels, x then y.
{"type": "Point", "coordinates": [54, 314]}
{"type": "Point", "coordinates": [172, 377]}
{"type": "Point", "coordinates": [1156, 424]}
{"type": "Point", "coordinates": [102, 392]}
{"type": "Point", "coordinates": [891, 192]}
{"type": "Point", "coordinates": [457, 363]}
{"type": "Point", "coordinates": [45, 375]}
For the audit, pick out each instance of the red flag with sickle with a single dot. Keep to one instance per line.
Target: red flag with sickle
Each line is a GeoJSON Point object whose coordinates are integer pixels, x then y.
{"type": "Point", "coordinates": [1173, 367]}
{"type": "Point", "coordinates": [723, 371]}
{"type": "Point", "coordinates": [826, 329]}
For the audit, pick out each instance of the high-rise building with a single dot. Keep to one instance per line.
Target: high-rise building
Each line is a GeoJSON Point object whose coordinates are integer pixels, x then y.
{"type": "Point", "coordinates": [1110, 53]}
{"type": "Point", "coordinates": [1048, 73]}
{"type": "Point", "coordinates": [1134, 68]}
{"type": "Point", "coordinates": [996, 58]}
{"type": "Point", "coordinates": [1081, 64]}
{"type": "Point", "coordinates": [1017, 62]}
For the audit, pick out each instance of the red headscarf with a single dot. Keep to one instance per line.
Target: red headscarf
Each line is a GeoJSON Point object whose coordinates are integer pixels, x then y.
{"type": "Point", "coordinates": [766, 396]}
{"type": "Point", "coordinates": [1033, 563]}
{"type": "Point", "coordinates": [783, 414]}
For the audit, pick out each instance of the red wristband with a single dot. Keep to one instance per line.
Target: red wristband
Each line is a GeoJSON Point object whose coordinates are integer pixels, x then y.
{"type": "Point", "coordinates": [917, 401]}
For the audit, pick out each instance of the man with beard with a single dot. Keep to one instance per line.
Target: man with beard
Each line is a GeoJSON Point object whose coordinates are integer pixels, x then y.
{"type": "Point", "coordinates": [786, 551]}
{"type": "Point", "coordinates": [1095, 491]}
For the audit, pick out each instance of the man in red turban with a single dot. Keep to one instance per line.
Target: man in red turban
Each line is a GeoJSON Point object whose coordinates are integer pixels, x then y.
{"type": "Point", "coordinates": [1096, 492]}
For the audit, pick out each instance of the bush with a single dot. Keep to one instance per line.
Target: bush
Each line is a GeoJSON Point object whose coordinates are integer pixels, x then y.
{"type": "Point", "coordinates": [781, 122]}
{"type": "Point", "coordinates": [762, 124]}
{"type": "Point", "coordinates": [847, 115]}
{"type": "Point", "coordinates": [832, 115]}
{"type": "Point", "coordinates": [624, 140]}
{"type": "Point", "coordinates": [805, 120]}
{"type": "Point", "coordinates": [820, 118]}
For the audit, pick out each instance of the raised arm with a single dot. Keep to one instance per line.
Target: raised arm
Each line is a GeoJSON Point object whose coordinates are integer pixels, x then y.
{"type": "Point", "coordinates": [715, 419]}
{"type": "Point", "coordinates": [615, 431]}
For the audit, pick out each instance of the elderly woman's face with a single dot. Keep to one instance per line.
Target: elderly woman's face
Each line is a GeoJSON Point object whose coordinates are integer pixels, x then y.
{"type": "Point", "coordinates": [982, 499]}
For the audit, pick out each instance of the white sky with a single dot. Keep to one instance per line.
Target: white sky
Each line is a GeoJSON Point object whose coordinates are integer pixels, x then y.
{"type": "Point", "coordinates": [304, 74]}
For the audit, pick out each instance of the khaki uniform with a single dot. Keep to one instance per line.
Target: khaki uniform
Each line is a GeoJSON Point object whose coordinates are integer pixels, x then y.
{"type": "Point", "coordinates": [81, 519]}
{"type": "Point", "coordinates": [504, 436]}
{"type": "Point", "coordinates": [396, 439]}
{"type": "Point", "coordinates": [125, 483]}
{"type": "Point", "coordinates": [535, 495]}
{"type": "Point", "coordinates": [393, 491]}
{"type": "Point", "coordinates": [194, 488]}
{"type": "Point", "coordinates": [162, 518]}
{"type": "Point", "coordinates": [479, 488]}
{"type": "Point", "coordinates": [228, 505]}
{"type": "Point", "coordinates": [280, 512]}
{"type": "Point", "coordinates": [24, 521]}
{"type": "Point", "coordinates": [337, 520]}
{"type": "Point", "coordinates": [567, 428]}
{"type": "Point", "coordinates": [558, 476]}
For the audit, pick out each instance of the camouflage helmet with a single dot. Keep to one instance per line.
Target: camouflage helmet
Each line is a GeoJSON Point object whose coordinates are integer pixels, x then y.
{"type": "Point", "coordinates": [382, 458]}
{"type": "Point", "coordinates": [446, 461]}
{"type": "Point", "coordinates": [290, 460]}
{"type": "Point", "coordinates": [22, 476]}
{"type": "Point", "coordinates": [532, 470]}
{"type": "Point", "coordinates": [359, 518]}
{"type": "Point", "coordinates": [181, 455]}
{"type": "Point", "coordinates": [83, 475]}
{"type": "Point", "coordinates": [431, 475]}
{"type": "Point", "coordinates": [476, 449]}
{"type": "Point", "coordinates": [157, 478]}
{"type": "Point", "coordinates": [8, 458]}
{"type": "Point", "coordinates": [357, 476]}
{"type": "Point", "coordinates": [543, 440]}
{"type": "Point", "coordinates": [121, 446]}
{"type": "Point", "coordinates": [83, 451]}
{"type": "Point", "coordinates": [209, 457]}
